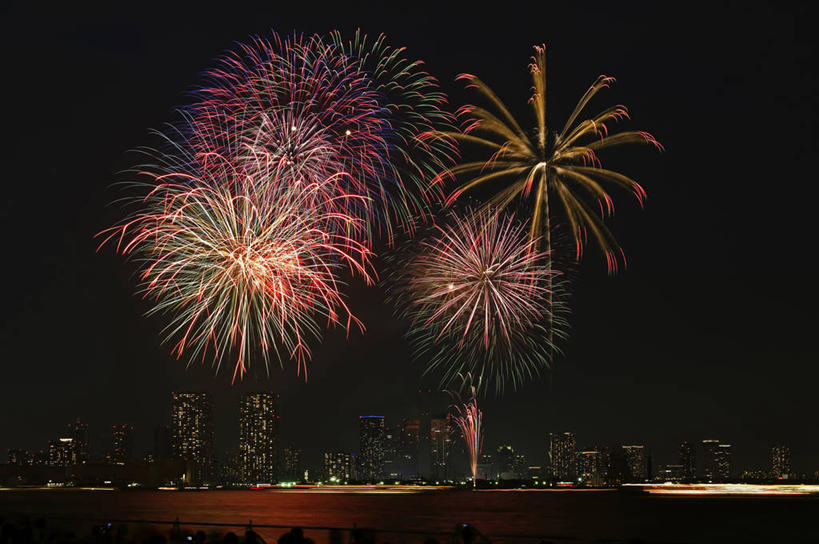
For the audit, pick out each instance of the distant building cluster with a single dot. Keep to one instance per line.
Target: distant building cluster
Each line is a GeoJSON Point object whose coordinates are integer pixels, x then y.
{"type": "Point", "coordinates": [424, 448]}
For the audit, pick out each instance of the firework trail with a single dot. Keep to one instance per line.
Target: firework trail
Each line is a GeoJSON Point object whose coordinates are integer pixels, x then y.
{"type": "Point", "coordinates": [476, 297]}
{"type": "Point", "coordinates": [468, 420]}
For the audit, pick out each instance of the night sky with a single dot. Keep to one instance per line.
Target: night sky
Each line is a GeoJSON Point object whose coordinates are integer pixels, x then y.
{"type": "Point", "coordinates": [710, 333]}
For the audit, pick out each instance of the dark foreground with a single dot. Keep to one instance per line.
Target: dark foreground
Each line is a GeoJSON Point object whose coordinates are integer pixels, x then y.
{"type": "Point", "coordinates": [399, 517]}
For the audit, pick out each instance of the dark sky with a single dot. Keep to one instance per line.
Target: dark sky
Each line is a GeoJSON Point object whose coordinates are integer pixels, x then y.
{"type": "Point", "coordinates": [710, 333]}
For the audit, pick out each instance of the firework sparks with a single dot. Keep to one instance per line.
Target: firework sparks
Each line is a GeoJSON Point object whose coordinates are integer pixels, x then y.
{"type": "Point", "coordinates": [476, 297]}
{"type": "Point", "coordinates": [357, 116]}
{"type": "Point", "coordinates": [468, 420]}
{"type": "Point", "coordinates": [294, 154]}
{"type": "Point", "coordinates": [241, 267]}
{"type": "Point", "coordinates": [552, 167]}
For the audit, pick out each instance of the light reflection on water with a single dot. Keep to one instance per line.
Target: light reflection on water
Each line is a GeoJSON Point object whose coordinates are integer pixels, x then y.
{"type": "Point", "coordinates": [567, 514]}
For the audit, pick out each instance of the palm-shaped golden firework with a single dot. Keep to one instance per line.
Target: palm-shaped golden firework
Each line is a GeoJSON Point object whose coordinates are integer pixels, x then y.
{"type": "Point", "coordinates": [547, 164]}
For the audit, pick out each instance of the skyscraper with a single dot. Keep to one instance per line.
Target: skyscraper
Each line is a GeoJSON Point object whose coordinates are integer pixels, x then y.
{"type": "Point", "coordinates": [258, 437]}
{"type": "Point", "coordinates": [637, 461]}
{"type": "Point", "coordinates": [338, 466]}
{"type": "Point", "coordinates": [371, 447]}
{"type": "Point", "coordinates": [780, 462]}
{"type": "Point", "coordinates": [562, 455]}
{"type": "Point", "coordinates": [439, 444]}
{"type": "Point", "coordinates": [122, 444]}
{"type": "Point", "coordinates": [409, 443]}
{"type": "Point", "coordinates": [591, 467]}
{"type": "Point", "coordinates": [504, 463]}
{"type": "Point", "coordinates": [688, 460]}
{"type": "Point", "coordinates": [392, 448]}
{"type": "Point", "coordinates": [79, 434]}
{"type": "Point", "coordinates": [192, 435]}
{"type": "Point", "coordinates": [290, 465]}
{"type": "Point", "coordinates": [716, 461]}
{"type": "Point", "coordinates": [724, 458]}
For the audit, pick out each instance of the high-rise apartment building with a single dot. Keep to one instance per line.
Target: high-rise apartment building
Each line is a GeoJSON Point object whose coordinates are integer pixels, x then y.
{"type": "Point", "coordinates": [780, 462]}
{"type": "Point", "coordinates": [290, 465]}
{"type": "Point", "coordinates": [122, 444]}
{"type": "Point", "coordinates": [338, 466]}
{"type": "Point", "coordinates": [258, 437]}
{"type": "Point", "coordinates": [562, 448]}
{"type": "Point", "coordinates": [636, 458]}
{"type": "Point", "coordinates": [688, 460]}
{"type": "Point", "coordinates": [78, 432]}
{"type": "Point", "coordinates": [409, 444]}
{"type": "Point", "coordinates": [724, 462]}
{"type": "Point", "coordinates": [192, 435]}
{"type": "Point", "coordinates": [591, 467]}
{"type": "Point", "coordinates": [440, 445]}
{"type": "Point", "coordinates": [716, 461]}
{"type": "Point", "coordinates": [371, 447]}
{"type": "Point", "coordinates": [504, 458]}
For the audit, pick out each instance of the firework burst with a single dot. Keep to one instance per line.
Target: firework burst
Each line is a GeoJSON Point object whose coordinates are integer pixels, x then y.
{"type": "Point", "coordinates": [357, 115]}
{"type": "Point", "coordinates": [476, 297]}
{"type": "Point", "coordinates": [294, 154]}
{"type": "Point", "coordinates": [240, 267]}
{"type": "Point", "coordinates": [548, 165]}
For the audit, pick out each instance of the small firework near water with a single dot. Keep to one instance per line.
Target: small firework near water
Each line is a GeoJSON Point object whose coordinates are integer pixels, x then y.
{"type": "Point", "coordinates": [475, 293]}
{"type": "Point", "coordinates": [468, 420]}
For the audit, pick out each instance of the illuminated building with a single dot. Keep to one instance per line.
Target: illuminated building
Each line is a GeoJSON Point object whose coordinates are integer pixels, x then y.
{"type": "Point", "coordinates": [636, 458]}
{"type": "Point", "coordinates": [591, 468]}
{"type": "Point", "coordinates": [780, 462]}
{"type": "Point", "coordinates": [338, 466]}
{"type": "Point", "coordinates": [440, 445]}
{"type": "Point", "coordinates": [562, 455]}
{"type": "Point", "coordinates": [504, 463]}
{"type": "Point", "coordinates": [79, 434]}
{"type": "Point", "coordinates": [716, 461]}
{"type": "Point", "coordinates": [61, 452]}
{"type": "Point", "coordinates": [231, 470]}
{"type": "Point", "coordinates": [258, 437]}
{"type": "Point", "coordinates": [122, 438]}
{"type": "Point", "coordinates": [192, 435]}
{"type": "Point", "coordinates": [392, 447]}
{"type": "Point", "coordinates": [409, 444]}
{"type": "Point", "coordinates": [290, 467]}
{"type": "Point", "coordinates": [520, 466]}
{"type": "Point", "coordinates": [724, 457]}
{"type": "Point", "coordinates": [688, 460]}
{"type": "Point", "coordinates": [371, 447]}
{"type": "Point", "coordinates": [20, 458]}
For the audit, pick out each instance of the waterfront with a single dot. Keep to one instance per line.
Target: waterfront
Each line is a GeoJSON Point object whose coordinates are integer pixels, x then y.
{"type": "Point", "coordinates": [570, 515]}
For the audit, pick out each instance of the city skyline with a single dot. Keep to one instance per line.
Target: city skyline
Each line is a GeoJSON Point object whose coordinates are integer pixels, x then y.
{"type": "Point", "coordinates": [422, 446]}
